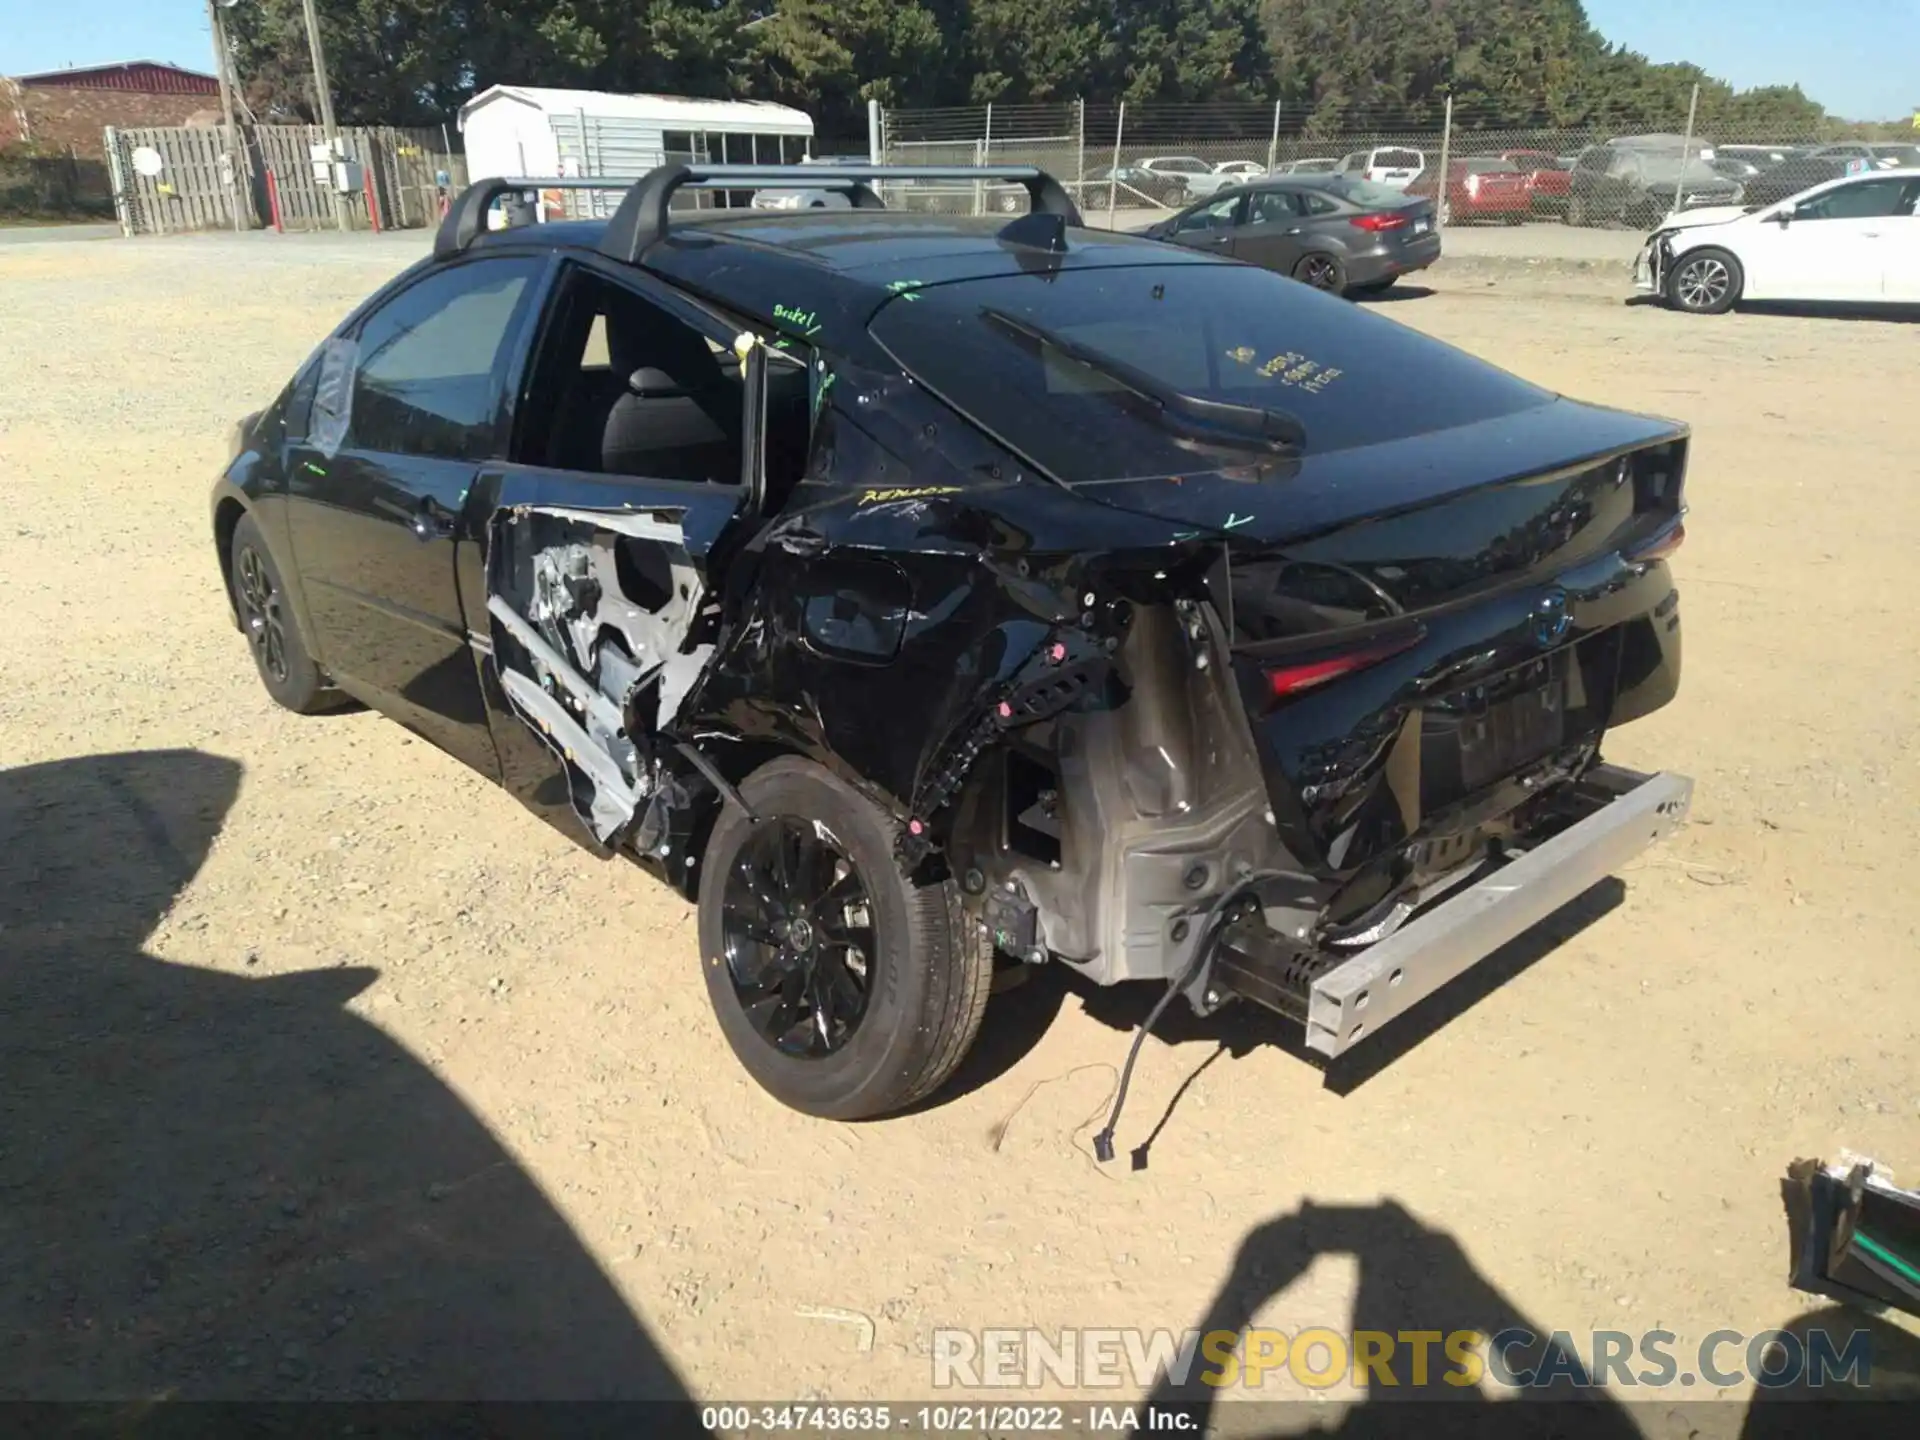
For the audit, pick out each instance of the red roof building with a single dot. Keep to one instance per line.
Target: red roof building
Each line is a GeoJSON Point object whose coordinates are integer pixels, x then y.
{"type": "Point", "coordinates": [143, 77]}
{"type": "Point", "coordinates": [66, 111]}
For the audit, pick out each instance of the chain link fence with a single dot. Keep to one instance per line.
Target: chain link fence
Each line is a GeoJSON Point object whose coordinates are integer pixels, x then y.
{"type": "Point", "coordinates": [1130, 164]}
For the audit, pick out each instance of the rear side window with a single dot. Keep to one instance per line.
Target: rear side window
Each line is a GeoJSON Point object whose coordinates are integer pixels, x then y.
{"type": "Point", "coordinates": [1225, 332]}
{"type": "Point", "coordinates": [427, 376]}
{"type": "Point", "coordinates": [1274, 207]}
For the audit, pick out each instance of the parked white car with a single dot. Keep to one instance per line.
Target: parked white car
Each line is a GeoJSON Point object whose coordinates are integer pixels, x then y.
{"type": "Point", "coordinates": [1855, 240]}
{"type": "Point", "coordinates": [1199, 178]}
{"type": "Point", "coordinates": [1394, 165]}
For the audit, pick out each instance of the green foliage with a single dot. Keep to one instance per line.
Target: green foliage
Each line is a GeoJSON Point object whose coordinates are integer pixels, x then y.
{"type": "Point", "coordinates": [1504, 62]}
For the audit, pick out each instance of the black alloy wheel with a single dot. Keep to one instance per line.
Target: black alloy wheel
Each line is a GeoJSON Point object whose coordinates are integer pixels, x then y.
{"type": "Point", "coordinates": [798, 937]}
{"type": "Point", "coordinates": [845, 986]}
{"type": "Point", "coordinates": [1322, 272]}
{"type": "Point", "coordinates": [272, 628]}
{"type": "Point", "coordinates": [260, 613]}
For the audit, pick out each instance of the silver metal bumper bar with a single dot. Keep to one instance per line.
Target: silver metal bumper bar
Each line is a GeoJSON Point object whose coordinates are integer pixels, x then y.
{"type": "Point", "coordinates": [1355, 999]}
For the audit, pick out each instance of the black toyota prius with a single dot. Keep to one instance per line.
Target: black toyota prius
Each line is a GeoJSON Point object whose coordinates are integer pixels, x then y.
{"type": "Point", "coordinates": [926, 595]}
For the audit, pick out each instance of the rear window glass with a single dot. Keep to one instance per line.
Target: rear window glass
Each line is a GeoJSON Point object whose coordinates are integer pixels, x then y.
{"type": "Point", "coordinates": [1222, 332]}
{"type": "Point", "coordinates": [1368, 193]}
{"type": "Point", "coordinates": [1489, 167]}
{"type": "Point", "coordinates": [1397, 159]}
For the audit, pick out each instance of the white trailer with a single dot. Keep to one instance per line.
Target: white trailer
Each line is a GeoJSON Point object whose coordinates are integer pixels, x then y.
{"type": "Point", "coordinates": [527, 130]}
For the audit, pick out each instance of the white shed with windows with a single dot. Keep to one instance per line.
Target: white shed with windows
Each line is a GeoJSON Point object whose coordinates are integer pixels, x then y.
{"type": "Point", "coordinates": [526, 130]}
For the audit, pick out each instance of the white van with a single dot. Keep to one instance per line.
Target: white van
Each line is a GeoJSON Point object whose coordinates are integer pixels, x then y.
{"type": "Point", "coordinates": [1393, 165]}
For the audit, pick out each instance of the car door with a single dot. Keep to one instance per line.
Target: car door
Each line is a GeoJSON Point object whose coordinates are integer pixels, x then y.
{"type": "Point", "coordinates": [1272, 232]}
{"type": "Point", "coordinates": [1835, 247]}
{"type": "Point", "coordinates": [1210, 227]}
{"type": "Point", "coordinates": [407, 407]}
{"type": "Point", "coordinates": [637, 421]}
{"type": "Point", "coordinates": [1900, 252]}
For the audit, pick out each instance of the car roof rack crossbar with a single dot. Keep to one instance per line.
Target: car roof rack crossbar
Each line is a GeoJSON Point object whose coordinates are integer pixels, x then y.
{"type": "Point", "coordinates": [641, 218]}
{"type": "Point", "coordinates": [466, 220]}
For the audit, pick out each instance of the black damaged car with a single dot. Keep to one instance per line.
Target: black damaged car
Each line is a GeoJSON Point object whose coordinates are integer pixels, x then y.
{"type": "Point", "coordinates": [922, 594]}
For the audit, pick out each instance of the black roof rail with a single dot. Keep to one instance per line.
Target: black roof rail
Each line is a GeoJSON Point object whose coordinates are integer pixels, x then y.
{"type": "Point", "coordinates": [641, 218]}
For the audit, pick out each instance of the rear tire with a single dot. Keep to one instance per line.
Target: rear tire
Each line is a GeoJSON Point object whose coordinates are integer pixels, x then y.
{"type": "Point", "coordinates": [899, 976]}
{"type": "Point", "coordinates": [280, 653]}
{"type": "Point", "coordinates": [1322, 272]}
{"type": "Point", "coordinates": [1705, 282]}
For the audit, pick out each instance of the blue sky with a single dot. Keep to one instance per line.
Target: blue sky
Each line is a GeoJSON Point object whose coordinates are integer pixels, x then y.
{"type": "Point", "coordinates": [1859, 58]}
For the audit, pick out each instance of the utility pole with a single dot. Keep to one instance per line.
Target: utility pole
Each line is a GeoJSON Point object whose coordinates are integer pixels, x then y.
{"type": "Point", "coordinates": [324, 95]}
{"type": "Point", "coordinates": [234, 152]}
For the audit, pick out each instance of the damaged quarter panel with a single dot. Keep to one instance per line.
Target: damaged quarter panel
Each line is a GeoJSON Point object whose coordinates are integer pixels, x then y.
{"type": "Point", "coordinates": [921, 580]}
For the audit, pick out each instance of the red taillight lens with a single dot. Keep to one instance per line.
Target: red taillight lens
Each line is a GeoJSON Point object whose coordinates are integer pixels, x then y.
{"type": "Point", "coordinates": [1377, 223]}
{"type": "Point", "coordinates": [1661, 545]}
{"type": "Point", "coordinates": [1284, 681]}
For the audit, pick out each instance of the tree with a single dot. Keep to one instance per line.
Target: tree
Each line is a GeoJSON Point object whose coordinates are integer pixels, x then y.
{"type": "Point", "coordinates": [401, 62]}
{"type": "Point", "coordinates": [837, 54]}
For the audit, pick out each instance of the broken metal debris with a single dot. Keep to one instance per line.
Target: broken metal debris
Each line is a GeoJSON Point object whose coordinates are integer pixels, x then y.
{"type": "Point", "coordinates": [1857, 1233]}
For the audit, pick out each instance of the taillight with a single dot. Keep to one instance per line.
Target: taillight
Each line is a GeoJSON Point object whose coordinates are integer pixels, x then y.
{"type": "Point", "coordinates": [1377, 223]}
{"type": "Point", "coordinates": [1661, 545]}
{"type": "Point", "coordinates": [1288, 679]}
{"type": "Point", "coordinates": [1473, 187]}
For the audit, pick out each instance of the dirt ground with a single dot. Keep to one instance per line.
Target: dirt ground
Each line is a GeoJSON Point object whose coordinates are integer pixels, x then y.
{"type": "Point", "coordinates": [325, 1069]}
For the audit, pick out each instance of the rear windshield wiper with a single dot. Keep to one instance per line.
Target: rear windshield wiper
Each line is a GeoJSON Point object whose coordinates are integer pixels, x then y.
{"type": "Point", "coordinates": [1221, 421]}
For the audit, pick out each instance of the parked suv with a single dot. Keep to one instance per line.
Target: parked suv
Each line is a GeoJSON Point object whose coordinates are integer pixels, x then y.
{"type": "Point", "coordinates": [1636, 179]}
{"type": "Point", "coordinates": [1393, 165]}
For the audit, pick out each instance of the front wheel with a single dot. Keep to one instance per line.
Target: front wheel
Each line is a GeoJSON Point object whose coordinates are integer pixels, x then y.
{"type": "Point", "coordinates": [846, 990]}
{"type": "Point", "coordinates": [280, 653]}
{"type": "Point", "coordinates": [1705, 282]}
{"type": "Point", "coordinates": [1322, 272]}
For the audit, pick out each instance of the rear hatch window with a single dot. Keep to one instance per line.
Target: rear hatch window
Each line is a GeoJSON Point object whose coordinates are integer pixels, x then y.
{"type": "Point", "coordinates": [1219, 332]}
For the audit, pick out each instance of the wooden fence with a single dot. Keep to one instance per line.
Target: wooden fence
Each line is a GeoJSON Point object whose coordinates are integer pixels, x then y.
{"type": "Point", "coordinates": [184, 178]}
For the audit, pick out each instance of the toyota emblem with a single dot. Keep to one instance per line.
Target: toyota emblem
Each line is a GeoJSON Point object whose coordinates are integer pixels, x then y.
{"type": "Point", "coordinates": [1551, 619]}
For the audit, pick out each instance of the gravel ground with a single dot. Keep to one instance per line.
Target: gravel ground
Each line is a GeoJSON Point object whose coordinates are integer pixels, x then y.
{"type": "Point", "coordinates": [326, 1070]}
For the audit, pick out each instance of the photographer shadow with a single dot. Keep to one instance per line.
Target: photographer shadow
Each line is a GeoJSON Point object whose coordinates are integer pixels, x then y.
{"type": "Point", "coordinates": [1412, 1277]}
{"type": "Point", "coordinates": [215, 1187]}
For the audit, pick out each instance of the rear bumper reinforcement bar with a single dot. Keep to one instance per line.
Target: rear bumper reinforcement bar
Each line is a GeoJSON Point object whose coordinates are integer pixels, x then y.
{"type": "Point", "coordinates": [1354, 999]}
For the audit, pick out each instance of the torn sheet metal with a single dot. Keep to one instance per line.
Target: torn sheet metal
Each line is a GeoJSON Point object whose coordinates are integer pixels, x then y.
{"type": "Point", "coordinates": [594, 613]}
{"type": "Point", "coordinates": [1857, 1234]}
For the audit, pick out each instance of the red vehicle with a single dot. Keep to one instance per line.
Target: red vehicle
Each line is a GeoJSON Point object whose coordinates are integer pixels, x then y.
{"type": "Point", "coordinates": [1549, 180]}
{"type": "Point", "coordinates": [1480, 187]}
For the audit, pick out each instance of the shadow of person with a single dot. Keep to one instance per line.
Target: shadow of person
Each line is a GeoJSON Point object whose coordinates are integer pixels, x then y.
{"type": "Point", "coordinates": [1883, 1398]}
{"type": "Point", "coordinates": [1412, 1278]}
{"type": "Point", "coordinates": [215, 1187]}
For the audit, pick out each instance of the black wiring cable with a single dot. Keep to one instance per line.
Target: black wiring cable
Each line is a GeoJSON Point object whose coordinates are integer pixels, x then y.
{"type": "Point", "coordinates": [1210, 932]}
